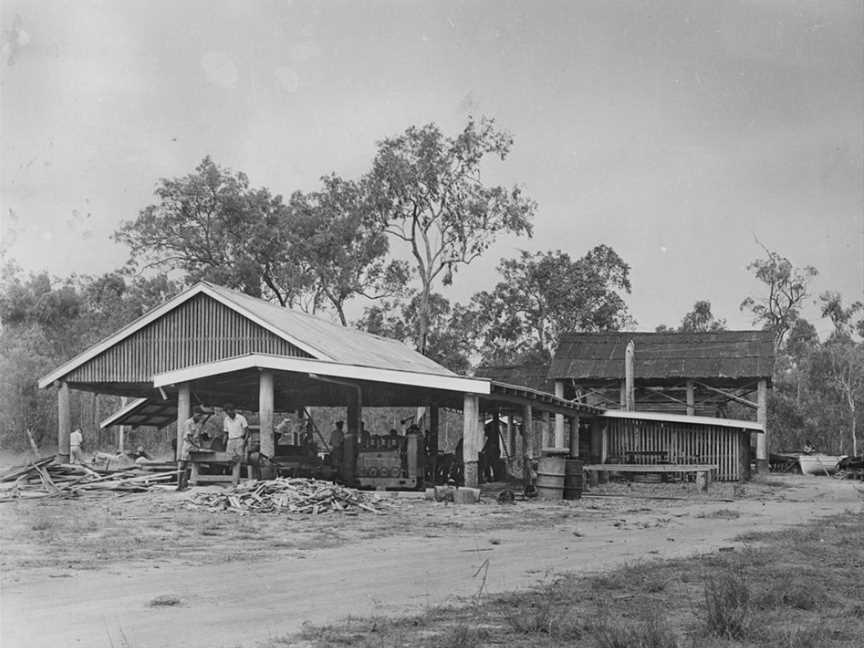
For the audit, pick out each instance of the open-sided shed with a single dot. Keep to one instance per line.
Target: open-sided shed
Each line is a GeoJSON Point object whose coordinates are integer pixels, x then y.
{"type": "Point", "coordinates": [689, 373]}
{"type": "Point", "coordinates": [210, 345]}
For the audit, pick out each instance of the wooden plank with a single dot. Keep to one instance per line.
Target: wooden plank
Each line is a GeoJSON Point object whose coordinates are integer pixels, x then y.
{"type": "Point", "coordinates": [650, 468]}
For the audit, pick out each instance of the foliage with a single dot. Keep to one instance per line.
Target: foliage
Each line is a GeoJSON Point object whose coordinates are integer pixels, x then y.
{"type": "Point", "coordinates": [698, 320]}
{"type": "Point", "coordinates": [544, 295]}
{"type": "Point", "coordinates": [342, 244]}
{"type": "Point", "coordinates": [787, 290]}
{"type": "Point", "coordinates": [449, 339]}
{"type": "Point", "coordinates": [427, 192]}
{"type": "Point", "coordinates": [46, 321]}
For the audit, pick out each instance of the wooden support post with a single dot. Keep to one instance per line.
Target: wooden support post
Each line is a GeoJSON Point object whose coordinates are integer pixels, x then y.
{"type": "Point", "coordinates": [744, 456]}
{"type": "Point", "coordinates": [352, 438]}
{"type": "Point", "coordinates": [121, 432]}
{"type": "Point", "coordinates": [629, 386]}
{"type": "Point", "coordinates": [184, 411]}
{"type": "Point", "coordinates": [574, 436]}
{"type": "Point", "coordinates": [623, 394]}
{"type": "Point", "coordinates": [64, 422]}
{"type": "Point", "coordinates": [547, 431]}
{"type": "Point", "coordinates": [762, 417]}
{"type": "Point", "coordinates": [265, 413]}
{"type": "Point", "coordinates": [528, 445]}
{"type": "Point", "coordinates": [596, 440]}
{"type": "Point", "coordinates": [434, 428]}
{"type": "Point", "coordinates": [559, 418]}
{"type": "Point", "coordinates": [472, 438]}
{"type": "Point", "coordinates": [691, 398]}
{"type": "Point", "coordinates": [511, 435]}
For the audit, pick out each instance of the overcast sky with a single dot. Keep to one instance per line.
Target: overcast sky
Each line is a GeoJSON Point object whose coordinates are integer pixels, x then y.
{"type": "Point", "coordinates": [676, 132]}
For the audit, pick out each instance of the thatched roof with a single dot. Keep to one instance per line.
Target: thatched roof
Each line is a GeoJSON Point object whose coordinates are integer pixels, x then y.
{"type": "Point", "coordinates": [720, 354]}
{"type": "Point", "coordinates": [533, 375]}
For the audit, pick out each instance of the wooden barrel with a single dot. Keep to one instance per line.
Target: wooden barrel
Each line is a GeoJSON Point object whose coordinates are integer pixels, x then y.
{"type": "Point", "coordinates": [550, 477]}
{"type": "Point", "coordinates": [573, 477]}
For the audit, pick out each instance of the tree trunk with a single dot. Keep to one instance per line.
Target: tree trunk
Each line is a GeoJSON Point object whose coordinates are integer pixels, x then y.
{"type": "Point", "coordinates": [424, 316]}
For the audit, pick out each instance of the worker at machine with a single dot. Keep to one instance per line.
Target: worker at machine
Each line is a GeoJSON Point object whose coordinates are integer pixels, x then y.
{"type": "Point", "coordinates": [234, 428]}
{"type": "Point", "coordinates": [191, 441]}
{"type": "Point", "coordinates": [491, 451]}
{"type": "Point", "coordinates": [337, 444]}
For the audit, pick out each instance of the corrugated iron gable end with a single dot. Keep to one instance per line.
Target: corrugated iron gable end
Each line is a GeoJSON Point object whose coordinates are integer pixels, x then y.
{"type": "Point", "coordinates": [726, 354]}
{"type": "Point", "coordinates": [197, 331]}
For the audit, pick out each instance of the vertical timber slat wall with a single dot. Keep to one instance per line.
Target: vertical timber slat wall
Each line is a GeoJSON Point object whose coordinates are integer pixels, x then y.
{"type": "Point", "coordinates": [198, 331]}
{"type": "Point", "coordinates": [705, 444]}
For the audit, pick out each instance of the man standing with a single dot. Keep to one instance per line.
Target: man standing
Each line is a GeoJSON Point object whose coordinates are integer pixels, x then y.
{"type": "Point", "coordinates": [337, 440]}
{"type": "Point", "coordinates": [234, 426]}
{"type": "Point", "coordinates": [76, 441]}
{"type": "Point", "coordinates": [191, 441]}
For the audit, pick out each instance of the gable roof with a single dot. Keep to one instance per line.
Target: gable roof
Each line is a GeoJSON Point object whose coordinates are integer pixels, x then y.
{"type": "Point", "coordinates": [718, 354]}
{"type": "Point", "coordinates": [321, 339]}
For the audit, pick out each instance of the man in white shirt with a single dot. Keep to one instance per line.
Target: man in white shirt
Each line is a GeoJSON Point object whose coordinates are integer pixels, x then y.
{"type": "Point", "coordinates": [76, 440]}
{"type": "Point", "coordinates": [234, 426]}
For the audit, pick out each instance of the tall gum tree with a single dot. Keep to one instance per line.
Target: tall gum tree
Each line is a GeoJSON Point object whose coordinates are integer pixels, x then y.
{"type": "Point", "coordinates": [787, 290]}
{"type": "Point", "coordinates": [428, 193]}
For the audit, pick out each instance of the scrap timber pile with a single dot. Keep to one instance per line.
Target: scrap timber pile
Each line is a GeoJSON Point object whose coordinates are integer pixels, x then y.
{"type": "Point", "coordinates": [42, 478]}
{"type": "Point", "coordinates": [294, 495]}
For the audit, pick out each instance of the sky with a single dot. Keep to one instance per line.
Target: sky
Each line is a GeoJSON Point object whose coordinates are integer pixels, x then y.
{"type": "Point", "coordinates": [683, 134]}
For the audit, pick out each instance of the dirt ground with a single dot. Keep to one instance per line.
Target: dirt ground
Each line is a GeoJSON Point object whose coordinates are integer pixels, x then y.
{"type": "Point", "coordinates": [146, 571]}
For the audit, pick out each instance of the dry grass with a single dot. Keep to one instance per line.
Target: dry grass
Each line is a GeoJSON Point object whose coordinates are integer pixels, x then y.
{"type": "Point", "coordinates": [796, 589]}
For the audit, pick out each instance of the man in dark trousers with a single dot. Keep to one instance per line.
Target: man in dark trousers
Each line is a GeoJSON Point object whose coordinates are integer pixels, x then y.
{"type": "Point", "coordinates": [491, 451]}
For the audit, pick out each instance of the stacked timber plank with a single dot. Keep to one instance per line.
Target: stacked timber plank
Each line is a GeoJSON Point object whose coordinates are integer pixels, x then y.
{"type": "Point", "coordinates": [290, 495]}
{"type": "Point", "coordinates": [42, 478]}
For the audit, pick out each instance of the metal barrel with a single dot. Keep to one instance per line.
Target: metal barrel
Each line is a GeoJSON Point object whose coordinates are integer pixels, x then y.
{"type": "Point", "coordinates": [550, 478]}
{"type": "Point", "coordinates": [573, 479]}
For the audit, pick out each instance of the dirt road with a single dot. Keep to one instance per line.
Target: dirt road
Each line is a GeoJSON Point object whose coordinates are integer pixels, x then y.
{"type": "Point", "coordinates": [240, 603]}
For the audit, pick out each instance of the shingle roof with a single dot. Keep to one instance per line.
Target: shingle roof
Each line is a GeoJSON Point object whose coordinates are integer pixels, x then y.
{"type": "Point", "coordinates": [341, 344]}
{"type": "Point", "coordinates": [720, 354]}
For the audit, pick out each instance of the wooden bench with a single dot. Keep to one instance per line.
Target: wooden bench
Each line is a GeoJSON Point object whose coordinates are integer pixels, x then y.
{"type": "Point", "coordinates": [705, 473]}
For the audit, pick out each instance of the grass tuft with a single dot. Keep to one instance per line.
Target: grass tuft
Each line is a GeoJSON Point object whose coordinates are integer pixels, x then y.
{"type": "Point", "coordinates": [727, 606]}
{"type": "Point", "coordinates": [649, 633]}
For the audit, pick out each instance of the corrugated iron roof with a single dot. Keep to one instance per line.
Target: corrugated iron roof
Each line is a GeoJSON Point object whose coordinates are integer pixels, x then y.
{"type": "Point", "coordinates": [719, 354]}
{"type": "Point", "coordinates": [533, 375]}
{"type": "Point", "coordinates": [341, 344]}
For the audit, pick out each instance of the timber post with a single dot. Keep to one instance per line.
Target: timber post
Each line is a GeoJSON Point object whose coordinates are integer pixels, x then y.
{"type": "Point", "coordinates": [434, 428]}
{"type": "Point", "coordinates": [744, 456]}
{"type": "Point", "coordinates": [546, 432]}
{"type": "Point", "coordinates": [472, 439]}
{"type": "Point", "coordinates": [64, 421]}
{"type": "Point", "coordinates": [265, 413]}
{"type": "Point", "coordinates": [121, 432]}
{"type": "Point", "coordinates": [574, 436]}
{"type": "Point", "coordinates": [527, 442]}
{"type": "Point", "coordinates": [629, 377]}
{"type": "Point", "coordinates": [559, 418]}
{"type": "Point", "coordinates": [184, 411]}
{"type": "Point", "coordinates": [691, 398]}
{"type": "Point", "coordinates": [762, 417]}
